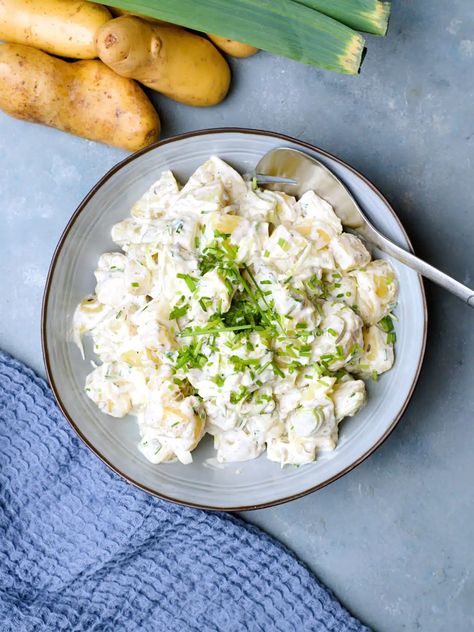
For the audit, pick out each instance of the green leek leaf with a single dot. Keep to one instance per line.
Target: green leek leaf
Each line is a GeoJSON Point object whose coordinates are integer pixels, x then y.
{"type": "Point", "coordinates": [284, 28]}
{"type": "Point", "coordinates": [370, 16]}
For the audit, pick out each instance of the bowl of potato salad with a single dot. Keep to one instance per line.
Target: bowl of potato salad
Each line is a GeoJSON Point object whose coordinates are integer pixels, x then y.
{"type": "Point", "coordinates": [222, 345]}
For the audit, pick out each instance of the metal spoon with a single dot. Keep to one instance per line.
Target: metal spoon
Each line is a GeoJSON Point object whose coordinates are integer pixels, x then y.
{"type": "Point", "coordinates": [306, 173]}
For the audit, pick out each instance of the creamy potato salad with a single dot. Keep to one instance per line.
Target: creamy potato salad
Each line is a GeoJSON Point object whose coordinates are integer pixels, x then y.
{"type": "Point", "coordinates": [238, 312]}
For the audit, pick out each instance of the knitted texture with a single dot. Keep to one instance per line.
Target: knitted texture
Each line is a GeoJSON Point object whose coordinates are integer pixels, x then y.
{"type": "Point", "coordinates": [82, 550]}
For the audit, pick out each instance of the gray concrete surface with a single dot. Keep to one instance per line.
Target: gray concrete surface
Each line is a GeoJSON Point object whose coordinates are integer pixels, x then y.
{"type": "Point", "coordinates": [393, 539]}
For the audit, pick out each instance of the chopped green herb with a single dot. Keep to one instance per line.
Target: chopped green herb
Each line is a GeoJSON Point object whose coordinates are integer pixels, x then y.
{"type": "Point", "coordinates": [190, 281]}
{"type": "Point", "coordinates": [202, 331]}
{"type": "Point", "coordinates": [219, 380]}
{"type": "Point", "coordinates": [238, 396]}
{"type": "Point", "coordinates": [263, 367]}
{"type": "Point", "coordinates": [284, 245]}
{"type": "Point", "coordinates": [190, 357]}
{"type": "Point", "coordinates": [277, 369]}
{"type": "Point", "coordinates": [205, 303]}
{"type": "Point", "coordinates": [386, 324]}
{"type": "Point", "coordinates": [178, 312]}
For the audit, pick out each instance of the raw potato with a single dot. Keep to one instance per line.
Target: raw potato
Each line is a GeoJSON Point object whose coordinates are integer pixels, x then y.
{"type": "Point", "coordinates": [183, 66]}
{"type": "Point", "coordinates": [231, 47]}
{"type": "Point", "coordinates": [62, 27]}
{"type": "Point", "coordinates": [84, 97]}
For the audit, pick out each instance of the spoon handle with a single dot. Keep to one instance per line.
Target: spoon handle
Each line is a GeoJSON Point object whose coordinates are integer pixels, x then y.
{"type": "Point", "coordinates": [430, 272]}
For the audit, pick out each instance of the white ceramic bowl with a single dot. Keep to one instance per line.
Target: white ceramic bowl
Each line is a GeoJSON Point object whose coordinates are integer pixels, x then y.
{"type": "Point", "coordinates": [204, 483]}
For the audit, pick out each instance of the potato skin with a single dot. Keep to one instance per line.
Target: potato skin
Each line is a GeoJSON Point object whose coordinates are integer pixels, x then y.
{"type": "Point", "coordinates": [232, 47]}
{"type": "Point", "coordinates": [63, 27]}
{"type": "Point", "coordinates": [84, 98]}
{"type": "Point", "coordinates": [182, 65]}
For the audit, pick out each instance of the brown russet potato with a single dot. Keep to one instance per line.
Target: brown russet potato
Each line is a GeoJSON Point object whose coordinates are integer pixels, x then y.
{"type": "Point", "coordinates": [232, 47]}
{"type": "Point", "coordinates": [63, 27]}
{"type": "Point", "coordinates": [85, 98]}
{"type": "Point", "coordinates": [182, 65]}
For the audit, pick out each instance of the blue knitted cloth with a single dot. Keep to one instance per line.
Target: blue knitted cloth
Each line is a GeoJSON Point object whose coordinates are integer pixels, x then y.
{"type": "Point", "coordinates": [81, 550]}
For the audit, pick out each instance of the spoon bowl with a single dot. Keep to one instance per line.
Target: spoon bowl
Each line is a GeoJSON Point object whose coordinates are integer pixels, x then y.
{"type": "Point", "coordinates": [307, 173]}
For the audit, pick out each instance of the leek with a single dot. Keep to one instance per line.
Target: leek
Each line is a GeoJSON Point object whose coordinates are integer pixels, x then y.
{"type": "Point", "coordinates": [284, 28]}
{"type": "Point", "coordinates": [370, 16]}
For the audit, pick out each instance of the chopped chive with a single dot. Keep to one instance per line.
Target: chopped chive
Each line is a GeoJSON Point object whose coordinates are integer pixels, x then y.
{"type": "Point", "coordinates": [190, 281]}
{"type": "Point", "coordinates": [284, 245]}
{"type": "Point", "coordinates": [277, 370]}
{"type": "Point", "coordinates": [219, 380]}
{"type": "Point", "coordinates": [186, 333]}
{"type": "Point", "coordinates": [262, 368]}
{"type": "Point", "coordinates": [178, 312]}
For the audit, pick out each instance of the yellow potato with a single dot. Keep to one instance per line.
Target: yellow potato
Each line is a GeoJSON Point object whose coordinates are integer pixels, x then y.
{"type": "Point", "coordinates": [62, 27]}
{"type": "Point", "coordinates": [226, 223]}
{"type": "Point", "coordinates": [231, 47]}
{"type": "Point", "coordinates": [84, 97]}
{"type": "Point", "coordinates": [182, 65]}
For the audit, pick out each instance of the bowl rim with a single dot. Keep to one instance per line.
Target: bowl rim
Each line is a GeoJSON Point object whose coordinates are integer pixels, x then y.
{"type": "Point", "coordinates": [48, 285]}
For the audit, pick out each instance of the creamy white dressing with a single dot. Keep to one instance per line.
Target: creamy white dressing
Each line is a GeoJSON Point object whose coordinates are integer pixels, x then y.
{"type": "Point", "coordinates": [240, 313]}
